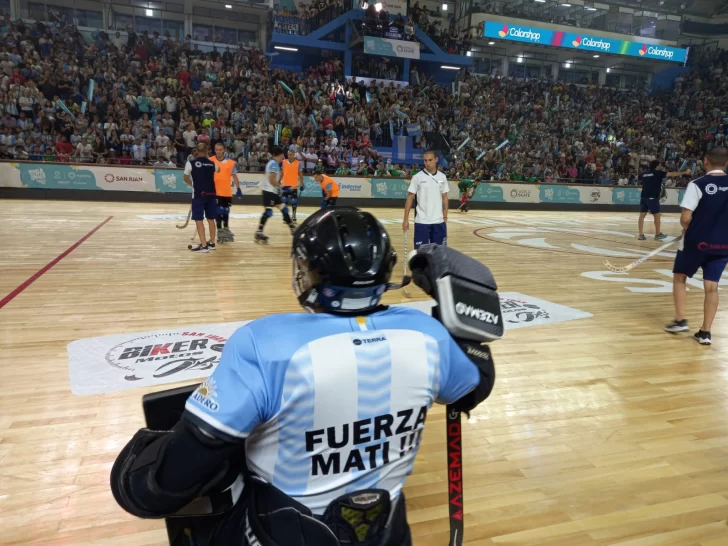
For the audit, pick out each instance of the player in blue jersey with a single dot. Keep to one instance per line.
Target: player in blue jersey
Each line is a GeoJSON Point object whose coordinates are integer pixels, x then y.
{"type": "Point", "coordinates": [331, 415]}
{"type": "Point", "coordinates": [704, 245]}
{"type": "Point", "coordinates": [272, 195]}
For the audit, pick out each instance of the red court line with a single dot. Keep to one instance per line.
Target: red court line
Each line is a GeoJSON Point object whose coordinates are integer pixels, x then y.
{"type": "Point", "coordinates": [7, 299]}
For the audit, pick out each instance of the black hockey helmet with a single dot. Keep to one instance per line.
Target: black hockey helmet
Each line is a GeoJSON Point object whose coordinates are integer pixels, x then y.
{"type": "Point", "coordinates": [342, 261]}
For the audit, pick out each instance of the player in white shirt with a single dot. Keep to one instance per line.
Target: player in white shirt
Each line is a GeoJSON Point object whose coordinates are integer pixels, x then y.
{"type": "Point", "coordinates": [272, 195]}
{"type": "Point", "coordinates": [428, 191]}
{"type": "Point", "coordinates": [323, 410]}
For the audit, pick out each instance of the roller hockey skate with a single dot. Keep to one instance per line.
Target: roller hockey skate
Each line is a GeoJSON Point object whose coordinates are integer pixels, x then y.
{"type": "Point", "coordinates": [261, 238]}
{"type": "Point", "coordinates": [224, 235]}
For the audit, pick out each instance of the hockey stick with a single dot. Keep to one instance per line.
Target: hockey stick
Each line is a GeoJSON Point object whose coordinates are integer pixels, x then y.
{"type": "Point", "coordinates": [404, 267]}
{"type": "Point", "coordinates": [189, 215]}
{"type": "Point", "coordinates": [642, 259]}
{"type": "Point", "coordinates": [455, 475]}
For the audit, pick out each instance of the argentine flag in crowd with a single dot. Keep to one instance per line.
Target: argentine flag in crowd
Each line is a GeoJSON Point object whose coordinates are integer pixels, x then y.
{"type": "Point", "coordinates": [414, 129]}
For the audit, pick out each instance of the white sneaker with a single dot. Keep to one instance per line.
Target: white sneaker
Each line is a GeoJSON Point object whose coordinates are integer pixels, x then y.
{"type": "Point", "coordinates": [677, 326]}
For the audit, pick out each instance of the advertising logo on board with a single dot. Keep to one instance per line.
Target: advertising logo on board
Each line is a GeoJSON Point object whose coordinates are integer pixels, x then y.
{"type": "Point", "coordinates": [593, 43]}
{"type": "Point", "coordinates": [110, 178]}
{"type": "Point", "coordinates": [658, 52]}
{"type": "Point", "coordinates": [520, 32]}
{"type": "Point", "coordinates": [166, 354]}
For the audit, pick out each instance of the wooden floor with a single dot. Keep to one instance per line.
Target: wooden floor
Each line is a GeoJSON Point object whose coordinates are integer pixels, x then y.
{"type": "Point", "coordinates": [602, 430]}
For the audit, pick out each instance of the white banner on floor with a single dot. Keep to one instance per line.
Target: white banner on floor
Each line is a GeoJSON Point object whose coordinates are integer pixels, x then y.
{"type": "Point", "coordinates": [118, 362]}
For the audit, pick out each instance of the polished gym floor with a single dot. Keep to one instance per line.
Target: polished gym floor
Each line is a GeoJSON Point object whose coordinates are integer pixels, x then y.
{"type": "Point", "coordinates": [601, 430]}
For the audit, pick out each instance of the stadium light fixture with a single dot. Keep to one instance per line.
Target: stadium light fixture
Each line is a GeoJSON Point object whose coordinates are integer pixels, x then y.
{"type": "Point", "coordinates": [284, 48]}
{"type": "Point", "coordinates": [378, 6]}
{"type": "Point", "coordinates": [228, 6]}
{"type": "Point", "coordinates": [567, 65]}
{"type": "Point", "coordinates": [444, 7]}
{"type": "Point", "coordinates": [591, 9]}
{"type": "Point", "coordinates": [540, 1]}
{"type": "Point", "coordinates": [609, 70]}
{"type": "Point", "coordinates": [447, 67]}
{"type": "Point", "coordinates": [491, 43]}
{"type": "Point", "coordinates": [596, 56]}
{"type": "Point", "coordinates": [469, 54]}
{"type": "Point", "coordinates": [565, 5]}
{"type": "Point", "coordinates": [150, 13]}
{"type": "Point", "coordinates": [519, 59]}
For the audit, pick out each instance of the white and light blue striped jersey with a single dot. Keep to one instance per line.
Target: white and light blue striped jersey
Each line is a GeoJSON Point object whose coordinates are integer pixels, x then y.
{"type": "Point", "coordinates": [329, 405]}
{"type": "Point", "coordinates": [272, 167]}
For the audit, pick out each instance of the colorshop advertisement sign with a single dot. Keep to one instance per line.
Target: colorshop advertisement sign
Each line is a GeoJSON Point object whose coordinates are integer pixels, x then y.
{"type": "Point", "coordinates": [572, 40]}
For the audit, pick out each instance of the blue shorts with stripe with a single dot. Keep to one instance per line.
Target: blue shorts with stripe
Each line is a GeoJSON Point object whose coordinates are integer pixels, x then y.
{"type": "Point", "coordinates": [687, 262]}
{"type": "Point", "coordinates": [430, 233]}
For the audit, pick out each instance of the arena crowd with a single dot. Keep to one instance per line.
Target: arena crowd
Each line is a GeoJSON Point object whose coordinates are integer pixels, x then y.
{"type": "Point", "coordinates": [154, 98]}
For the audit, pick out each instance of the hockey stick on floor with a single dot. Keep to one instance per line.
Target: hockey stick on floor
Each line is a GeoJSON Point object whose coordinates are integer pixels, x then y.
{"type": "Point", "coordinates": [642, 259]}
{"type": "Point", "coordinates": [455, 476]}
{"type": "Point", "coordinates": [404, 266]}
{"type": "Point", "coordinates": [189, 215]}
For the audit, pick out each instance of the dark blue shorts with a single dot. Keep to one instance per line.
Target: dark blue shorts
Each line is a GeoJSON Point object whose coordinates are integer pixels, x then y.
{"type": "Point", "coordinates": [688, 262]}
{"type": "Point", "coordinates": [430, 233]}
{"type": "Point", "coordinates": [289, 192]}
{"type": "Point", "coordinates": [650, 205]}
{"type": "Point", "coordinates": [204, 207]}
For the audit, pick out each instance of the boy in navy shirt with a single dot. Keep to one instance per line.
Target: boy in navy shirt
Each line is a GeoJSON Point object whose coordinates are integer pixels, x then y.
{"type": "Point", "coordinates": [705, 243]}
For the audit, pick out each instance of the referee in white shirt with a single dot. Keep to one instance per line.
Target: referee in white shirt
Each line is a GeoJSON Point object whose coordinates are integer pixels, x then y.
{"type": "Point", "coordinates": [428, 189]}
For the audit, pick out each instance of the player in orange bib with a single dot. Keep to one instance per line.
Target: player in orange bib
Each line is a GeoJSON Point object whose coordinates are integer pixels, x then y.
{"type": "Point", "coordinates": [224, 189]}
{"type": "Point", "coordinates": [330, 189]}
{"type": "Point", "coordinates": [292, 180]}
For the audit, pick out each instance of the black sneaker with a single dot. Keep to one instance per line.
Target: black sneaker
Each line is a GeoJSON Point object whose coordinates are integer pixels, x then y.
{"type": "Point", "coordinates": [677, 326]}
{"type": "Point", "coordinates": [660, 237]}
{"type": "Point", "coordinates": [210, 245]}
{"type": "Point", "coordinates": [199, 249]}
{"type": "Point", "coordinates": [702, 337]}
{"type": "Point", "coordinates": [641, 238]}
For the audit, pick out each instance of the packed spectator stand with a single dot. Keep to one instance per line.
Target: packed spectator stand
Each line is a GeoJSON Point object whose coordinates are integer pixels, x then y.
{"type": "Point", "coordinates": [155, 97]}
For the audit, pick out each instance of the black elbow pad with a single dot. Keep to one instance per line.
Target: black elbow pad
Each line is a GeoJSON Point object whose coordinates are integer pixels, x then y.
{"type": "Point", "coordinates": [481, 356]}
{"type": "Point", "coordinates": [134, 476]}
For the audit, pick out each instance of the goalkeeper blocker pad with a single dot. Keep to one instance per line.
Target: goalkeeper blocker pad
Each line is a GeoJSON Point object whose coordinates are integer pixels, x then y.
{"type": "Point", "coordinates": [469, 310]}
